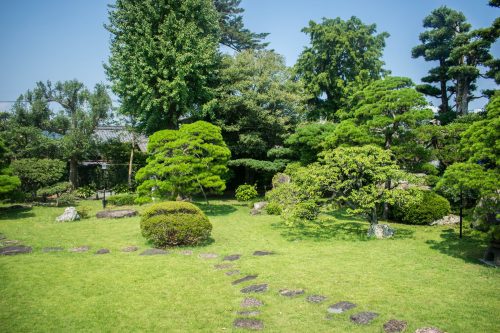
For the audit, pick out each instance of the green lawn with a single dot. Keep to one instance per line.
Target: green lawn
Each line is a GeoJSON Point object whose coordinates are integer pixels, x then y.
{"type": "Point", "coordinates": [425, 276]}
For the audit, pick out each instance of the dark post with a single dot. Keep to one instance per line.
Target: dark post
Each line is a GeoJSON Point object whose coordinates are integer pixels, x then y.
{"type": "Point", "coordinates": [104, 168]}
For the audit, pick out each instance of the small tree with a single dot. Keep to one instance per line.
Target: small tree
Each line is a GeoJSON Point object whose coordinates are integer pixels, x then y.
{"type": "Point", "coordinates": [37, 173]}
{"type": "Point", "coordinates": [8, 182]}
{"type": "Point", "coordinates": [184, 162]}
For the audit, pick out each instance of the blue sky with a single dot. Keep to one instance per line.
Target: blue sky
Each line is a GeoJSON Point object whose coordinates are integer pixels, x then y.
{"type": "Point", "coordinates": [65, 39]}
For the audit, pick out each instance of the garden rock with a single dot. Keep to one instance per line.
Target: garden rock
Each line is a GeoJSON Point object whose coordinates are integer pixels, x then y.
{"type": "Point", "coordinates": [253, 324]}
{"type": "Point", "coordinates": [80, 249]}
{"type": "Point", "coordinates": [260, 205]}
{"type": "Point", "coordinates": [428, 330]}
{"type": "Point", "coordinates": [130, 249]}
{"type": "Point", "coordinates": [116, 214]}
{"type": "Point", "coordinates": [14, 250]}
{"type": "Point", "coordinates": [380, 231]}
{"type": "Point", "coordinates": [248, 313]}
{"type": "Point", "coordinates": [233, 272]}
{"type": "Point", "coordinates": [244, 279]}
{"type": "Point", "coordinates": [291, 293]}
{"type": "Point", "coordinates": [52, 249]}
{"type": "Point", "coordinates": [70, 214]}
{"type": "Point", "coordinates": [262, 253]}
{"type": "Point", "coordinates": [316, 298]}
{"type": "Point", "coordinates": [152, 252]}
{"type": "Point", "coordinates": [232, 257]}
{"type": "Point", "coordinates": [10, 242]}
{"type": "Point", "coordinates": [395, 326]}
{"type": "Point", "coordinates": [341, 307]}
{"type": "Point", "coordinates": [208, 255]}
{"type": "Point", "coordinates": [281, 179]}
{"type": "Point", "coordinates": [255, 288]}
{"type": "Point", "coordinates": [102, 251]}
{"type": "Point", "coordinates": [363, 318]}
{"type": "Point", "coordinates": [447, 220]}
{"type": "Point", "coordinates": [251, 302]}
{"type": "Point", "coordinates": [255, 212]}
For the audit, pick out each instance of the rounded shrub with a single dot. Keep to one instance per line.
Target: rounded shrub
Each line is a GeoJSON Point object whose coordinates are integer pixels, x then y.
{"type": "Point", "coordinates": [431, 207]}
{"type": "Point", "coordinates": [246, 192]}
{"type": "Point", "coordinates": [273, 208]}
{"type": "Point", "coordinates": [306, 210]}
{"type": "Point", "coordinates": [173, 223]}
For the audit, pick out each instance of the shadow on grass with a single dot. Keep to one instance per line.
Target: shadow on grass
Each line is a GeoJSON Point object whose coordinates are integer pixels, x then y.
{"type": "Point", "coordinates": [470, 248]}
{"type": "Point", "coordinates": [15, 212]}
{"type": "Point", "coordinates": [216, 210]}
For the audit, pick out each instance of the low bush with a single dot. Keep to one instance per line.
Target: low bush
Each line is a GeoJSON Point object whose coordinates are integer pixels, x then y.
{"type": "Point", "coordinates": [306, 210]}
{"type": "Point", "coordinates": [84, 192]}
{"type": "Point", "coordinates": [246, 192]}
{"type": "Point", "coordinates": [431, 207]}
{"type": "Point", "coordinates": [83, 211]}
{"type": "Point", "coordinates": [122, 199]}
{"type": "Point", "coordinates": [173, 223]}
{"type": "Point", "coordinates": [273, 208]}
{"type": "Point", "coordinates": [66, 199]}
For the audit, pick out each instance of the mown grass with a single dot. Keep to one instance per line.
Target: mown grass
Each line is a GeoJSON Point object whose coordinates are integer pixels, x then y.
{"type": "Point", "coordinates": [425, 276]}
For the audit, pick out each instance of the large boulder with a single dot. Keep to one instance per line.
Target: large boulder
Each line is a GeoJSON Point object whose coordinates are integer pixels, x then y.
{"type": "Point", "coordinates": [447, 220]}
{"type": "Point", "coordinates": [70, 214]}
{"type": "Point", "coordinates": [380, 231]}
{"type": "Point", "coordinates": [258, 207]}
{"type": "Point", "coordinates": [116, 214]}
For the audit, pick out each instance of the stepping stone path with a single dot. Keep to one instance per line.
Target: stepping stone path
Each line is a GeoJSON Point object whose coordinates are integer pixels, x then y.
{"type": "Point", "coordinates": [291, 293]}
{"type": "Point", "coordinates": [116, 214]}
{"type": "Point", "coordinates": [251, 302]}
{"type": "Point", "coordinates": [233, 272]}
{"type": "Point", "coordinates": [248, 313]}
{"type": "Point", "coordinates": [341, 307]}
{"type": "Point", "coordinates": [130, 249]}
{"type": "Point", "coordinates": [428, 330]}
{"type": "Point", "coordinates": [262, 253]}
{"type": "Point", "coordinates": [255, 288]}
{"type": "Point", "coordinates": [363, 318]}
{"type": "Point", "coordinates": [80, 249]}
{"type": "Point", "coordinates": [186, 252]}
{"type": "Point", "coordinates": [316, 298]}
{"type": "Point", "coordinates": [232, 257]}
{"type": "Point", "coordinates": [244, 279]}
{"type": "Point", "coordinates": [395, 326]}
{"type": "Point", "coordinates": [208, 255]}
{"type": "Point", "coordinates": [102, 251]}
{"type": "Point", "coordinates": [223, 266]}
{"type": "Point", "coordinates": [14, 250]}
{"type": "Point", "coordinates": [253, 324]}
{"type": "Point", "coordinates": [152, 252]}
{"type": "Point", "coordinates": [52, 249]}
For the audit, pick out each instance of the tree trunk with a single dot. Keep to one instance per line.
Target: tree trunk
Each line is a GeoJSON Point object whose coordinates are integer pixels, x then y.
{"type": "Point", "coordinates": [462, 96]}
{"type": "Point", "coordinates": [374, 218]}
{"type": "Point", "coordinates": [73, 172]}
{"type": "Point", "coordinates": [444, 107]}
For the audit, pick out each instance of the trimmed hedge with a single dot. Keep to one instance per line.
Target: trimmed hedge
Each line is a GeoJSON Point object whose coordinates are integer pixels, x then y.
{"type": "Point", "coordinates": [432, 207]}
{"type": "Point", "coordinates": [174, 223]}
{"type": "Point", "coordinates": [122, 199]}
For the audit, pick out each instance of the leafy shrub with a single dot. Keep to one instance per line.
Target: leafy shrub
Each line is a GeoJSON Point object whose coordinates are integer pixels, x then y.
{"type": "Point", "coordinates": [84, 192]}
{"type": "Point", "coordinates": [273, 208]}
{"type": "Point", "coordinates": [306, 210]}
{"type": "Point", "coordinates": [83, 211]}
{"type": "Point", "coordinates": [66, 199]}
{"type": "Point", "coordinates": [431, 207]}
{"type": "Point", "coordinates": [173, 223]}
{"type": "Point", "coordinates": [121, 188]}
{"type": "Point", "coordinates": [122, 199]}
{"type": "Point", "coordinates": [246, 192]}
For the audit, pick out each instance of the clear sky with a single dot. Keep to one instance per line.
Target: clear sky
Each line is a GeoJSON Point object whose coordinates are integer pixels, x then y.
{"type": "Point", "coordinates": [65, 39]}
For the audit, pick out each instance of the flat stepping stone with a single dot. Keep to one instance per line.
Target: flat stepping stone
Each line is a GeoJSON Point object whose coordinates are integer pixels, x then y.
{"type": "Point", "coordinates": [249, 302]}
{"type": "Point", "coordinates": [208, 255]}
{"type": "Point", "coordinates": [248, 313]}
{"type": "Point", "coordinates": [262, 253]}
{"type": "Point", "coordinates": [244, 279]}
{"type": "Point", "coordinates": [232, 257]}
{"type": "Point", "coordinates": [341, 307]}
{"type": "Point", "coordinates": [130, 249]}
{"type": "Point", "coordinates": [363, 318]}
{"type": "Point", "coordinates": [14, 250]}
{"type": "Point", "coordinates": [8, 242]}
{"type": "Point", "coordinates": [428, 330]}
{"type": "Point", "coordinates": [255, 288]}
{"type": "Point", "coordinates": [252, 324]}
{"type": "Point", "coordinates": [316, 298]}
{"type": "Point", "coordinates": [186, 252]}
{"type": "Point", "coordinates": [152, 252]}
{"type": "Point", "coordinates": [80, 249]}
{"type": "Point", "coordinates": [291, 293]}
{"type": "Point", "coordinates": [395, 326]}
{"type": "Point", "coordinates": [52, 249]}
{"type": "Point", "coordinates": [223, 266]}
{"type": "Point", "coordinates": [233, 272]}
{"type": "Point", "coordinates": [116, 214]}
{"type": "Point", "coordinates": [102, 251]}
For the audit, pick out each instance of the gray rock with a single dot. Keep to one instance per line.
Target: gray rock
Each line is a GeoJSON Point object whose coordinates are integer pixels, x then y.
{"type": "Point", "coordinates": [52, 249]}
{"type": "Point", "coordinates": [281, 178]}
{"type": "Point", "coordinates": [130, 249]}
{"type": "Point", "coordinates": [248, 313]}
{"type": "Point", "coordinates": [80, 249]}
{"type": "Point", "coordinates": [232, 272]}
{"type": "Point", "coordinates": [116, 214]}
{"type": "Point", "coordinates": [249, 302]}
{"type": "Point", "coordinates": [363, 318]}
{"type": "Point", "coordinates": [208, 255]}
{"type": "Point", "coordinates": [428, 330]}
{"type": "Point", "coordinates": [232, 257]}
{"type": "Point", "coordinates": [102, 251]}
{"type": "Point", "coordinates": [255, 288]}
{"type": "Point", "coordinates": [14, 250]}
{"type": "Point", "coordinates": [260, 205]}
{"type": "Point", "coordinates": [152, 252]}
{"type": "Point", "coordinates": [253, 324]}
{"type": "Point", "coordinates": [262, 253]}
{"type": "Point", "coordinates": [7, 242]}
{"type": "Point", "coordinates": [255, 212]}
{"type": "Point", "coordinates": [447, 220]}
{"type": "Point", "coordinates": [244, 279]}
{"type": "Point", "coordinates": [341, 307]}
{"type": "Point", "coordinates": [70, 214]}
{"type": "Point", "coordinates": [291, 293]}
{"type": "Point", "coordinates": [395, 326]}
{"type": "Point", "coordinates": [223, 266]}
{"type": "Point", "coordinates": [380, 231]}
{"type": "Point", "coordinates": [316, 298]}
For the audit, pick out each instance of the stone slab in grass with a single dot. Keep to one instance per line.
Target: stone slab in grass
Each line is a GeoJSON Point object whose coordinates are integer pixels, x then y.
{"type": "Point", "coordinates": [316, 298]}
{"type": "Point", "coordinates": [232, 272]}
{"type": "Point", "coordinates": [14, 250]}
{"type": "Point", "coordinates": [395, 326]}
{"type": "Point", "coordinates": [341, 307]}
{"type": "Point", "coordinates": [223, 266]}
{"type": "Point", "coordinates": [363, 318]}
{"type": "Point", "coordinates": [116, 214]}
{"type": "Point", "coordinates": [102, 251]}
{"type": "Point", "coordinates": [208, 255]}
{"type": "Point", "coordinates": [8, 242]}
{"type": "Point", "coordinates": [52, 249]}
{"type": "Point", "coordinates": [428, 330]}
{"type": "Point", "coordinates": [291, 293]}
{"type": "Point", "coordinates": [248, 313]}
{"type": "Point", "coordinates": [263, 253]}
{"type": "Point", "coordinates": [152, 252]}
{"type": "Point", "coordinates": [130, 249]}
{"type": "Point", "coordinates": [255, 288]}
{"type": "Point", "coordinates": [186, 252]}
{"type": "Point", "coordinates": [244, 279]}
{"type": "Point", "coordinates": [250, 302]}
{"type": "Point", "coordinates": [232, 257]}
{"type": "Point", "coordinates": [80, 249]}
{"type": "Point", "coordinates": [252, 324]}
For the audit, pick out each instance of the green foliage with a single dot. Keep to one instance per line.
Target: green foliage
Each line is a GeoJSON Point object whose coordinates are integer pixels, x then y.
{"type": "Point", "coordinates": [122, 199]}
{"type": "Point", "coordinates": [37, 173]}
{"type": "Point", "coordinates": [8, 183]}
{"type": "Point", "coordinates": [83, 211]}
{"type": "Point", "coordinates": [121, 188]}
{"type": "Point", "coordinates": [175, 223]}
{"type": "Point", "coordinates": [184, 162]}
{"type": "Point", "coordinates": [428, 208]}
{"type": "Point", "coordinates": [349, 133]}
{"type": "Point", "coordinates": [54, 189]}
{"type": "Point", "coordinates": [273, 208]}
{"type": "Point", "coordinates": [84, 192]}
{"type": "Point", "coordinates": [306, 142]}
{"type": "Point", "coordinates": [246, 192]}
{"type": "Point", "coordinates": [167, 51]}
{"type": "Point", "coordinates": [303, 211]}
{"type": "Point", "coordinates": [66, 199]}
{"type": "Point", "coordinates": [257, 165]}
